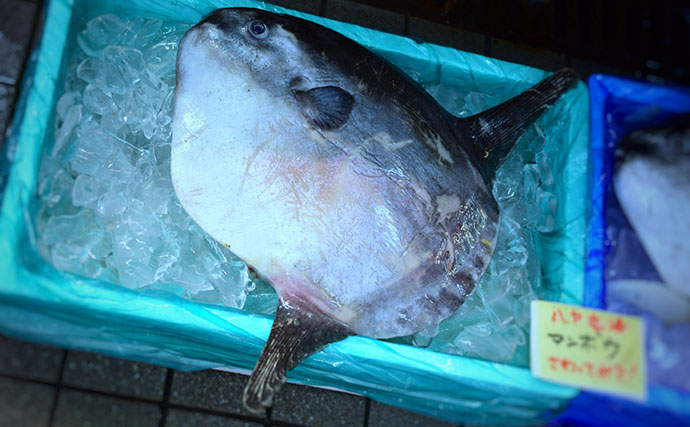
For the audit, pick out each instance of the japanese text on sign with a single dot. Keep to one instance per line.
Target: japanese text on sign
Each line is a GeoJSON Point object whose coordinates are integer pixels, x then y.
{"type": "Point", "coordinates": [589, 349]}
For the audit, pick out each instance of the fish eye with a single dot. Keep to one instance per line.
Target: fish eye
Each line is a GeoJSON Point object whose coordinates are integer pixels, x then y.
{"type": "Point", "coordinates": [258, 29]}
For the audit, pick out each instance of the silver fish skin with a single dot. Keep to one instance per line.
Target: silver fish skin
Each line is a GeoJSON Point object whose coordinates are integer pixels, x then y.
{"type": "Point", "coordinates": [336, 178]}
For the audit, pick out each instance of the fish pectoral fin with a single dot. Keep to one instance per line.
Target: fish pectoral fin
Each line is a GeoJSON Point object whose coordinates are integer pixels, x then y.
{"type": "Point", "coordinates": [327, 107]}
{"type": "Point", "coordinates": [296, 334]}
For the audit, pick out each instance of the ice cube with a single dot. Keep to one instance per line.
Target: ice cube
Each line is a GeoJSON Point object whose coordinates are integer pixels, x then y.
{"type": "Point", "coordinates": [67, 227]}
{"type": "Point", "coordinates": [149, 32]}
{"type": "Point", "coordinates": [188, 278]}
{"type": "Point", "coordinates": [160, 58]}
{"type": "Point", "coordinates": [132, 256]}
{"type": "Point", "coordinates": [110, 123]}
{"type": "Point", "coordinates": [94, 147]}
{"type": "Point", "coordinates": [102, 75]}
{"type": "Point", "coordinates": [71, 120]}
{"type": "Point", "coordinates": [136, 274]}
{"type": "Point", "coordinates": [161, 156]}
{"type": "Point", "coordinates": [531, 194]}
{"type": "Point", "coordinates": [544, 169]}
{"type": "Point", "coordinates": [66, 101]}
{"type": "Point", "coordinates": [157, 195]}
{"type": "Point", "coordinates": [140, 220]}
{"type": "Point", "coordinates": [68, 256]}
{"type": "Point", "coordinates": [133, 108]}
{"type": "Point", "coordinates": [46, 175]}
{"type": "Point", "coordinates": [141, 33]}
{"type": "Point", "coordinates": [119, 166]}
{"type": "Point", "coordinates": [148, 125]}
{"type": "Point", "coordinates": [231, 283]}
{"type": "Point", "coordinates": [261, 298]}
{"type": "Point", "coordinates": [60, 188]}
{"type": "Point", "coordinates": [86, 191]}
{"type": "Point", "coordinates": [522, 309]}
{"type": "Point", "coordinates": [480, 341]}
{"type": "Point", "coordinates": [83, 254]}
{"type": "Point", "coordinates": [99, 33]}
{"type": "Point", "coordinates": [530, 179]}
{"type": "Point", "coordinates": [111, 203]}
{"type": "Point", "coordinates": [98, 242]}
{"type": "Point", "coordinates": [98, 101]}
{"type": "Point", "coordinates": [92, 267]}
{"type": "Point", "coordinates": [548, 203]}
{"type": "Point", "coordinates": [128, 60]}
{"type": "Point", "coordinates": [131, 29]}
{"type": "Point", "coordinates": [504, 185]}
{"type": "Point", "coordinates": [501, 311]}
{"type": "Point", "coordinates": [516, 254]}
{"type": "Point", "coordinates": [425, 337]}
{"type": "Point", "coordinates": [476, 102]}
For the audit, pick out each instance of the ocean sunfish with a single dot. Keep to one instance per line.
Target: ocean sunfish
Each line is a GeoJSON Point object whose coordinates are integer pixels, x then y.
{"type": "Point", "coordinates": [652, 184]}
{"type": "Point", "coordinates": [337, 178]}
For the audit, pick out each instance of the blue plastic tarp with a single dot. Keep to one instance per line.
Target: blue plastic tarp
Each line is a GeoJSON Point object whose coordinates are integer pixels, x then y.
{"type": "Point", "coordinates": [39, 303]}
{"type": "Point", "coordinates": [619, 106]}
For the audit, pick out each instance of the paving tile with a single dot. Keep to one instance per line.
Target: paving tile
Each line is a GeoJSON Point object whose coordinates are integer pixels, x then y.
{"type": "Point", "coordinates": [16, 23]}
{"type": "Point", "coordinates": [308, 6]}
{"type": "Point", "coordinates": [366, 16]}
{"type": "Point", "coordinates": [6, 101]}
{"type": "Point", "coordinates": [28, 360]}
{"type": "Point", "coordinates": [76, 408]}
{"type": "Point", "coordinates": [313, 406]}
{"type": "Point", "coordinates": [446, 35]}
{"type": "Point", "coordinates": [538, 58]}
{"type": "Point", "coordinates": [114, 375]}
{"type": "Point", "coordinates": [213, 390]}
{"type": "Point", "coordinates": [381, 415]}
{"type": "Point", "coordinates": [23, 403]}
{"type": "Point", "coordinates": [182, 418]}
{"type": "Point", "coordinates": [40, 23]}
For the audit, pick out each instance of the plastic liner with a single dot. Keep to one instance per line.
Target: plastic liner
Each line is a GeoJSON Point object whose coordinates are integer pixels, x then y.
{"type": "Point", "coordinates": [39, 303]}
{"type": "Point", "coordinates": [618, 107]}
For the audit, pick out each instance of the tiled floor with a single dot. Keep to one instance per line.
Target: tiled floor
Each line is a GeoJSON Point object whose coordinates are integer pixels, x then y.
{"type": "Point", "coordinates": [17, 23]}
{"type": "Point", "coordinates": [46, 386]}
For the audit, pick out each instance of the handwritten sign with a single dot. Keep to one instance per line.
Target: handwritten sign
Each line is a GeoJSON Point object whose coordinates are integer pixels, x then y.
{"type": "Point", "coordinates": [588, 349]}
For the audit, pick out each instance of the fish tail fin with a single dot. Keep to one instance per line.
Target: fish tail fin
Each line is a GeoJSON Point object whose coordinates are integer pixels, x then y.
{"type": "Point", "coordinates": [295, 335]}
{"type": "Point", "coordinates": [491, 134]}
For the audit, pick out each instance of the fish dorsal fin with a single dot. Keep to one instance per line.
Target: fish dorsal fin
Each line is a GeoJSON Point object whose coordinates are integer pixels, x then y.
{"type": "Point", "coordinates": [327, 107]}
{"type": "Point", "coordinates": [492, 134]}
{"type": "Point", "coordinates": [295, 335]}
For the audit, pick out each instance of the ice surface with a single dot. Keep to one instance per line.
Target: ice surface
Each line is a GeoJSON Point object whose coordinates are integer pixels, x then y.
{"type": "Point", "coordinates": [108, 209]}
{"type": "Point", "coordinates": [667, 350]}
{"type": "Point", "coordinates": [100, 32]}
{"type": "Point", "coordinates": [666, 346]}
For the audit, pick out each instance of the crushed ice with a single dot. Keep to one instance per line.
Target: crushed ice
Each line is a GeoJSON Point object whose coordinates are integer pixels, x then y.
{"type": "Point", "coordinates": [108, 209]}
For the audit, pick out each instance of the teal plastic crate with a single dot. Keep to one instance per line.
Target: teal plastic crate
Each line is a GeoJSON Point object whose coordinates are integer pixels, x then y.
{"type": "Point", "coordinates": [39, 303]}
